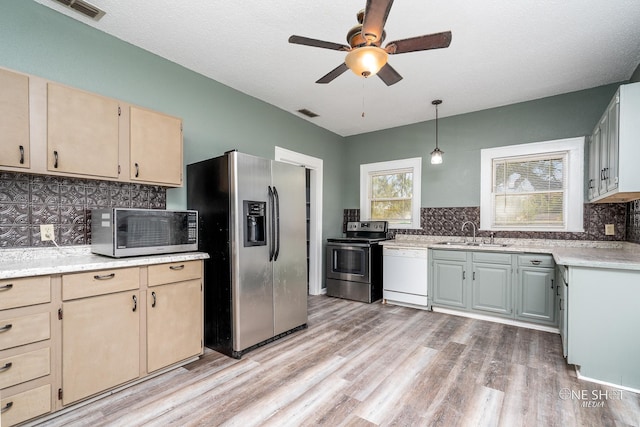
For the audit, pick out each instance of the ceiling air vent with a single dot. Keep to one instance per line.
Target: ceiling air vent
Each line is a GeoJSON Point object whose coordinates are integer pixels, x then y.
{"type": "Point", "coordinates": [307, 113]}
{"type": "Point", "coordinates": [84, 8]}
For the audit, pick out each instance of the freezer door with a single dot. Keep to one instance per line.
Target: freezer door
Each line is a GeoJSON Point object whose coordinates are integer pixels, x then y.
{"type": "Point", "coordinates": [252, 283]}
{"type": "Point", "coordinates": [290, 264]}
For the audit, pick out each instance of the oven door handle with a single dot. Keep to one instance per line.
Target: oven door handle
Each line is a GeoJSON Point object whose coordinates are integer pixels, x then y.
{"type": "Point", "coordinates": [272, 225]}
{"type": "Point", "coordinates": [348, 245]}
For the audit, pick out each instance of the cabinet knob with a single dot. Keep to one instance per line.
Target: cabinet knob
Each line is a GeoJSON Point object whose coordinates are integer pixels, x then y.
{"type": "Point", "coordinates": [6, 327]}
{"type": "Point", "coordinates": [6, 407]}
{"type": "Point", "coordinates": [6, 367]}
{"type": "Point", "coordinates": [6, 287]}
{"type": "Point", "coordinates": [135, 303]}
{"type": "Point", "coordinates": [153, 295]}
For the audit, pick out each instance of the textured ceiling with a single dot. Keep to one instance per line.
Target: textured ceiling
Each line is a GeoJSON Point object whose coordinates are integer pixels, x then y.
{"type": "Point", "coordinates": [502, 51]}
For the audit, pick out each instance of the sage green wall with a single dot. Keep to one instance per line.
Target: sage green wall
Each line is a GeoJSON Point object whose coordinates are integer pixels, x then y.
{"type": "Point", "coordinates": [37, 40]}
{"type": "Point", "coordinates": [456, 182]}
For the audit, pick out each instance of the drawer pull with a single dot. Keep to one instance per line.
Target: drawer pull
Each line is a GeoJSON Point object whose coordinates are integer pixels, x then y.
{"type": "Point", "coordinates": [153, 295]}
{"type": "Point", "coordinates": [6, 407]}
{"type": "Point", "coordinates": [535, 261]}
{"type": "Point", "coordinates": [104, 276]}
{"type": "Point", "coordinates": [177, 267]}
{"type": "Point", "coordinates": [21, 148]}
{"type": "Point", "coordinates": [6, 327]}
{"type": "Point", "coordinates": [6, 367]}
{"type": "Point", "coordinates": [135, 303]}
{"type": "Point", "coordinates": [55, 159]}
{"type": "Point", "coordinates": [6, 287]}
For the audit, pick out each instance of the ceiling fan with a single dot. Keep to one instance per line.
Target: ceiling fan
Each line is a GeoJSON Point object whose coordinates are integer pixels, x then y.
{"type": "Point", "coordinates": [366, 57]}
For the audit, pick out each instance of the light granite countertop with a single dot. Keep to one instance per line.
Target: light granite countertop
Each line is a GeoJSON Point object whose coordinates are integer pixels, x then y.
{"type": "Point", "coordinates": [26, 262]}
{"type": "Point", "coordinates": [618, 255]}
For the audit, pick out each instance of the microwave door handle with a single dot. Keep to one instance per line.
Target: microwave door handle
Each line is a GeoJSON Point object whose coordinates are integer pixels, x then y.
{"type": "Point", "coordinates": [276, 200]}
{"type": "Point", "coordinates": [270, 234]}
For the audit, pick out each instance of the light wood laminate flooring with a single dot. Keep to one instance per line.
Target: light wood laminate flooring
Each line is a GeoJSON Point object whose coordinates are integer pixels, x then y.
{"type": "Point", "coordinates": [371, 364]}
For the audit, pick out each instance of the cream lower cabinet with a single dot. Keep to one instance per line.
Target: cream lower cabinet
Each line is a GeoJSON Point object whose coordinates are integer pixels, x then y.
{"type": "Point", "coordinates": [26, 349]}
{"type": "Point", "coordinates": [174, 323]}
{"type": "Point", "coordinates": [100, 344]}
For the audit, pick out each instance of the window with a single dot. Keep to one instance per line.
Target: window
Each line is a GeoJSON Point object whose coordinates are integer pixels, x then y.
{"type": "Point", "coordinates": [390, 191]}
{"type": "Point", "coordinates": [533, 187]}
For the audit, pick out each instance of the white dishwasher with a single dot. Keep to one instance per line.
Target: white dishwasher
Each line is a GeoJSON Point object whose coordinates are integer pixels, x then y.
{"type": "Point", "coordinates": [404, 276]}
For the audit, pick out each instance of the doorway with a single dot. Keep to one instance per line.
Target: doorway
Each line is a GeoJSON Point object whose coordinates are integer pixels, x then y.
{"type": "Point", "coordinates": [314, 170]}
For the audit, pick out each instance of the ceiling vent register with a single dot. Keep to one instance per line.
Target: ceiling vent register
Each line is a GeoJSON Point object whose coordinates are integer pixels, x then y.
{"type": "Point", "coordinates": [84, 8]}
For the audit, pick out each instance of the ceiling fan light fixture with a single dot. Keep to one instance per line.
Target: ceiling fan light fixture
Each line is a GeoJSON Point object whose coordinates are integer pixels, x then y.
{"type": "Point", "coordinates": [366, 61]}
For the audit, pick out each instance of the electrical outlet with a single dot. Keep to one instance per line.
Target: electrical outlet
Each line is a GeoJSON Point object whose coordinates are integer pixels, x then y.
{"type": "Point", "coordinates": [609, 229]}
{"type": "Point", "coordinates": [46, 232]}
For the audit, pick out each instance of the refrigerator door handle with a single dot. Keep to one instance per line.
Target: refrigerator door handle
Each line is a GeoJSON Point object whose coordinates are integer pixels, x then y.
{"type": "Point", "coordinates": [271, 228]}
{"type": "Point", "coordinates": [277, 222]}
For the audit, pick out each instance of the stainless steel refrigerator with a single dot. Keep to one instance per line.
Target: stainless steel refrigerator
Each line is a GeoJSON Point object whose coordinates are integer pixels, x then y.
{"type": "Point", "coordinates": [252, 223]}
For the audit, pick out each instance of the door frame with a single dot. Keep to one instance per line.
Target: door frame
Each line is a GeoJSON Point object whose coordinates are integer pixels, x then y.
{"type": "Point", "coordinates": [315, 221]}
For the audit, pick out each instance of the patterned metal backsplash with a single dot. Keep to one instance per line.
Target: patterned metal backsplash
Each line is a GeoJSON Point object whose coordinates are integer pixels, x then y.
{"type": "Point", "coordinates": [448, 222]}
{"type": "Point", "coordinates": [26, 201]}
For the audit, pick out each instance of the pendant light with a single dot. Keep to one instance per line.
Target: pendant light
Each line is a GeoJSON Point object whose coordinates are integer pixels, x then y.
{"type": "Point", "coordinates": [436, 155]}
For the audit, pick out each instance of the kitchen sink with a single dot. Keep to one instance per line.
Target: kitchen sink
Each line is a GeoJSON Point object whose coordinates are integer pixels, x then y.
{"type": "Point", "coordinates": [450, 243]}
{"type": "Point", "coordinates": [486, 245]}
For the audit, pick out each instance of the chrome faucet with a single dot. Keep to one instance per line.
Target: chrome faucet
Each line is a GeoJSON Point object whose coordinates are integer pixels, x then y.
{"type": "Point", "coordinates": [474, 229]}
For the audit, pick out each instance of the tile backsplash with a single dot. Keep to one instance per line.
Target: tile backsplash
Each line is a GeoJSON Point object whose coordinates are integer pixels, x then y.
{"type": "Point", "coordinates": [448, 221]}
{"type": "Point", "coordinates": [26, 201]}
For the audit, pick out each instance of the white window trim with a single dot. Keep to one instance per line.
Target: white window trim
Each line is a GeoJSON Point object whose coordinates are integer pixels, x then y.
{"type": "Point", "coordinates": [416, 165]}
{"type": "Point", "coordinates": [575, 180]}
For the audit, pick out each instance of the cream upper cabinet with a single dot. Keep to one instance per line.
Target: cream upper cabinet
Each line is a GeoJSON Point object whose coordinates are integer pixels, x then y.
{"type": "Point", "coordinates": [155, 147]}
{"type": "Point", "coordinates": [14, 119]}
{"type": "Point", "coordinates": [82, 132]}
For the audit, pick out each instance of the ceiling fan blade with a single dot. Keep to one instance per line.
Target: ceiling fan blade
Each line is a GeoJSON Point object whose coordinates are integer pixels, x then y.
{"type": "Point", "coordinates": [389, 75]}
{"type": "Point", "coordinates": [375, 16]}
{"type": "Point", "coordinates": [318, 43]}
{"type": "Point", "coordinates": [414, 44]}
{"type": "Point", "coordinates": [328, 78]}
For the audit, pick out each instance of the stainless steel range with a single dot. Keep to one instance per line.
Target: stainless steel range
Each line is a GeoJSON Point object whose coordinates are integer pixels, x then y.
{"type": "Point", "coordinates": [354, 262]}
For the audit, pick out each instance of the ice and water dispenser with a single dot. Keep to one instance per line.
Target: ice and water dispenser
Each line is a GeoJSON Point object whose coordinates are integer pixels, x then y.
{"type": "Point", "coordinates": [255, 223]}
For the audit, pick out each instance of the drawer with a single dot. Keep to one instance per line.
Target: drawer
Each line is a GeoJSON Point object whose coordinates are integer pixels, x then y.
{"type": "Point", "coordinates": [449, 255]}
{"type": "Point", "coordinates": [24, 330]}
{"type": "Point", "coordinates": [535, 260]}
{"type": "Point", "coordinates": [161, 274]}
{"type": "Point", "coordinates": [25, 291]}
{"type": "Point", "coordinates": [80, 285]}
{"type": "Point", "coordinates": [24, 406]}
{"type": "Point", "coordinates": [24, 367]}
{"type": "Point", "coordinates": [492, 257]}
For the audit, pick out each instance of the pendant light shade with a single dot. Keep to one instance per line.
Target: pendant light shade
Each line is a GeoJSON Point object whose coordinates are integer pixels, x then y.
{"type": "Point", "coordinates": [436, 154]}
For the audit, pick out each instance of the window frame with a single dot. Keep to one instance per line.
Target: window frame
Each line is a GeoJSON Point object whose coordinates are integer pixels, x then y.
{"type": "Point", "coordinates": [574, 192]}
{"type": "Point", "coordinates": [366, 170]}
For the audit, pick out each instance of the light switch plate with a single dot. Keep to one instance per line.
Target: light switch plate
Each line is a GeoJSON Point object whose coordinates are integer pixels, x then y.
{"type": "Point", "coordinates": [46, 232]}
{"type": "Point", "coordinates": [609, 229]}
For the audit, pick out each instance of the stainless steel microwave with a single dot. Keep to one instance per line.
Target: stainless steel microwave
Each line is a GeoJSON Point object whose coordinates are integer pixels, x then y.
{"type": "Point", "coordinates": [122, 232]}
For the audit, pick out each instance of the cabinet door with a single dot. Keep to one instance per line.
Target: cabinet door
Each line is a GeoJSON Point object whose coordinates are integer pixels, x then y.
{"type": "Point", "coordinates": [155, 147]}
{"type": "Point", "coordinates": [14, 119]}
{"type": "Point", "coordinates": [594, 165]}
{"type": "Point", "coordinates": [611, 173]}
{"type": "Point", "coordinates": [536, 295]}
{"type": "Point", "coordinates": [174, 323]}
{"type": "Point", "coordinates": [100, 344]}
{"type": "Point", "coordinates": [82, 132]}
{"type": "Point", "coordinates": [603, 154]}
{"type": "Point", "coordinates": [491, 288]}
{"type": "Point", "coordinates": [449, 283]}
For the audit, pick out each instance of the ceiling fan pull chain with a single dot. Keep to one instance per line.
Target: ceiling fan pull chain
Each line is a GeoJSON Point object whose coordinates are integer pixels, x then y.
{"type": "Point", "coordinates": [363, 97]}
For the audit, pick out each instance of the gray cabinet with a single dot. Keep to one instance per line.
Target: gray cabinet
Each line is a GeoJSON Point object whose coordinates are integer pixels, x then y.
{"type": "Point", "coordinates": [515, 286]}
{"type": "Point", "coordinates": [448, 272]}
{"type": "Point", "coordinates": [562, 293]}
{"type": "Point", "coordinates": [613, 148]}
{"type": "Point", "coordinates": [536, 289]}
{"type": "Point", "coordinates": [491, 288]}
